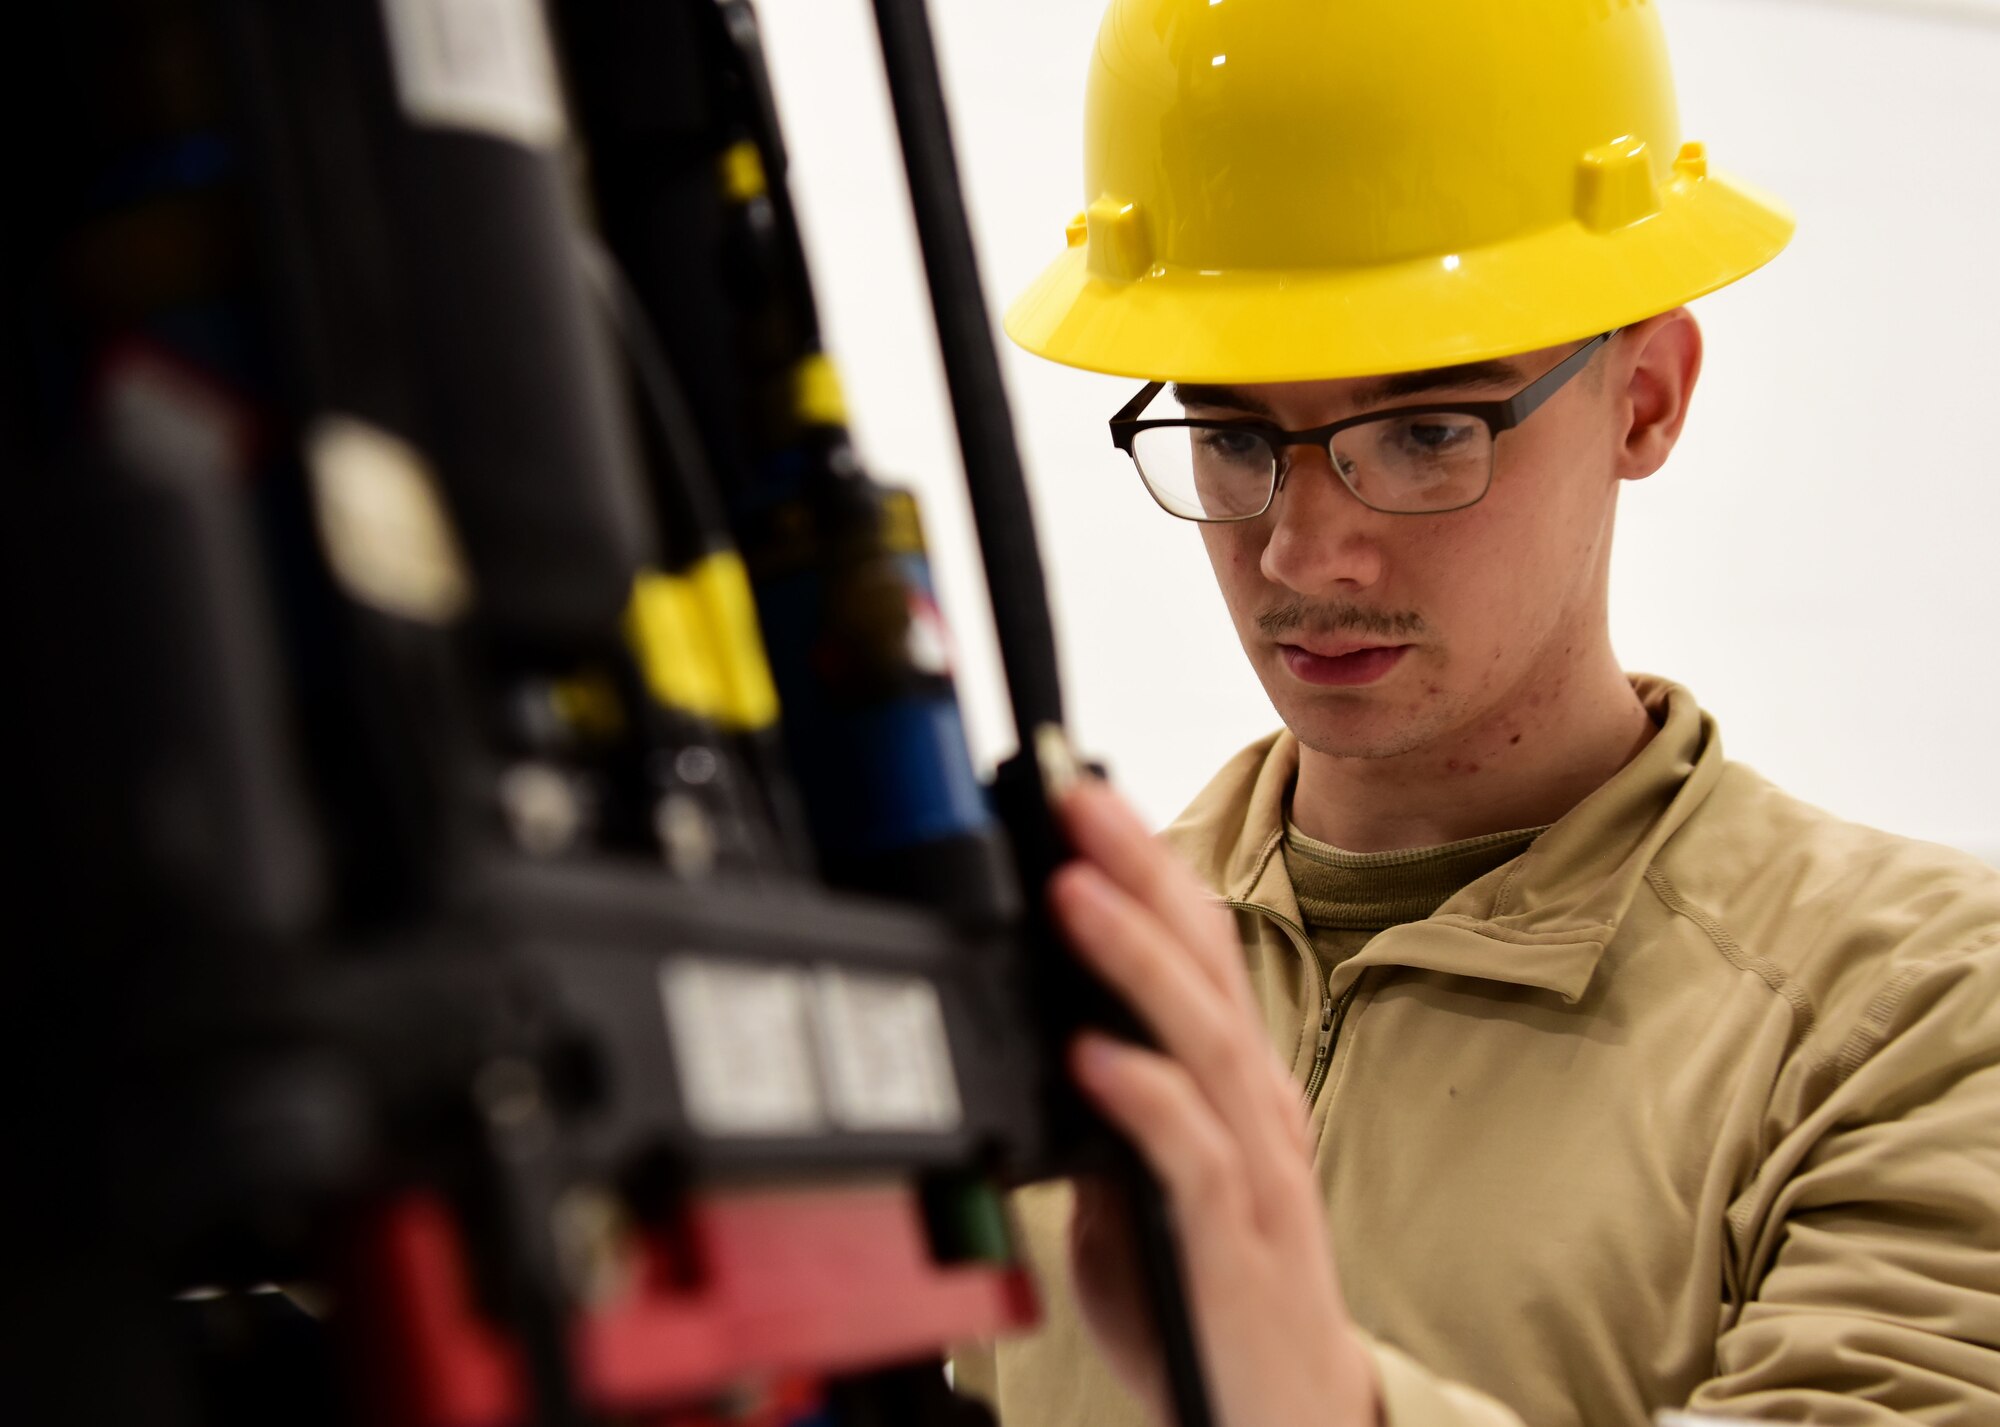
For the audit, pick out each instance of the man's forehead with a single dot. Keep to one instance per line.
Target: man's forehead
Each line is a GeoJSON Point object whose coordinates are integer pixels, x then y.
{"type": "Point", "coordinates": [1361, 391]}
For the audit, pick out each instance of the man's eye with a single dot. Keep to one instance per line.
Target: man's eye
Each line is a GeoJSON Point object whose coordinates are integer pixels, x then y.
{"type": "Point", "coordinates": [1436, 436]}
{"type": "Point", "coordinates": [1232, 445]}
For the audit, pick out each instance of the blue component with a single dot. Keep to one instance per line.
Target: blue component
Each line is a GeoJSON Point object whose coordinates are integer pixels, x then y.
{"type": "Point", "coordinates": [916, 570]}
{"type": "Point", "coordinates": [184, 163]}
{"type": "Point", "coordinates": [903, 776]}
{"type": "Point", "coordinates": [883, 777]}
{"type": "Point", "coordinates": [878, 771]}
{"type": "Point", "coordinates": [219, 336]}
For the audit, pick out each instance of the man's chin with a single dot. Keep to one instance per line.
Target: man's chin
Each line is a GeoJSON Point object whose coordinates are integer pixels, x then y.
{"type": "Point", "coordinates": [1360, 727]}
{"type": "Point", "coordinates": [1347, 746]}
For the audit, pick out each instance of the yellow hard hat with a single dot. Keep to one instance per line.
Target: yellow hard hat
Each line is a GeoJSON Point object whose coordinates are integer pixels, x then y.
{"type": "Point", "coordinates": [1285, 190]}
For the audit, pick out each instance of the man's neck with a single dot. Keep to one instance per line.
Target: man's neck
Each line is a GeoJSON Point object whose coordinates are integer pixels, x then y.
{"type": "Point", "coordinates": [1516, 767]}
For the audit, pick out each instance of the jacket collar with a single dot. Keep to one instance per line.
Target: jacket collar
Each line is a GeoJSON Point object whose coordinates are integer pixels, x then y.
{"type": "Point", "coordinates": [1542, 920]}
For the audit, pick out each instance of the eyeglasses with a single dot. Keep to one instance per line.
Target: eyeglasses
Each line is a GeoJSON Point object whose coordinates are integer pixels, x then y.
{"type": "Point", "coordinates": [1412, 460]}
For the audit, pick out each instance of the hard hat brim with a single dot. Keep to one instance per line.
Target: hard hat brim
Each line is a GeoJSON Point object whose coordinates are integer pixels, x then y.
{"type": "Point", "coordinates": [1535, 291]}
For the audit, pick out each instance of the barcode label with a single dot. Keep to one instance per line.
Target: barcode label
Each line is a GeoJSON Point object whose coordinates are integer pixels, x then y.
{"type": "Point", "coordinates": [743, 1043]}
{"type": "Point", "coordinates": [483, 65]}
{"type": "Point", "coordinates": [886, 1055]}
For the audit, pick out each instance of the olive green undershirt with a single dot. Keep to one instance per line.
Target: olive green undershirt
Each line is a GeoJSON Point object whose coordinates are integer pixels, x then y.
{"type": "Point", "coordinates": [1347, 897]}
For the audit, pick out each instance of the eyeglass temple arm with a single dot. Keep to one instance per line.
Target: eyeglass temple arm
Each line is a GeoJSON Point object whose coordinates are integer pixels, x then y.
{"type": "Point", "coordinates": [1131, 409]}
{"type": "Point", "coordinates": [1529, 399]}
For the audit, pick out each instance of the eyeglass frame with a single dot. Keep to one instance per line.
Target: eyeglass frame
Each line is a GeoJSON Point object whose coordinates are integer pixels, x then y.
{"type": "Point", "coordinates": [1499, 416]}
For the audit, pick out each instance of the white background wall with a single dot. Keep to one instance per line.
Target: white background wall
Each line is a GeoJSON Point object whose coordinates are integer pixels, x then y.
{"type": "Point", "coordinates": [1818, 560]}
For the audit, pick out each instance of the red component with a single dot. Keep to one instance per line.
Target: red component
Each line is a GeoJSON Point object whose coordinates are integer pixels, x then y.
{"type": "Point", "coordinates": [160, 406]}
{"type": "Point", "coordinates": [783, 1283]}
{"type": "Point", "coordinates": [780, 1404]}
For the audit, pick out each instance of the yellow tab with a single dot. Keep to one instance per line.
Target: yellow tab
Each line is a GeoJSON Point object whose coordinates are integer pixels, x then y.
{"type": "Point", "coordinates": [816, 393]}
{"type": "Point", "coordinates": [902, 527]}
{"type": "Point", "coordinates": [1117, 243]}
{"type": "Point", "coordinates": [743, 172]}
{"type": "Point", "coordinates": [750, 699]}
{"type": "Point", "coordinates": [589, 704]}
{"type": "Point", "coordinates": [1615, 186]}
{"type": "Point", "coordinates": [669, 630]}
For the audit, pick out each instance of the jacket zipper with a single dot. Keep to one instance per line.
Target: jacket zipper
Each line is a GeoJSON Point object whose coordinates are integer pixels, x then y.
{"type": "Point", "coordinates": [1330, 1022]}
{"type": "Point", "coordinates": [1332, 1013]}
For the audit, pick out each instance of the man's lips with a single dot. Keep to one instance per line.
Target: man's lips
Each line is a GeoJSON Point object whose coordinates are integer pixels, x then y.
{"type": "Point", "coordinates": [1338, 648]}
{"type": "Point", "coordinates": [1343, 664]}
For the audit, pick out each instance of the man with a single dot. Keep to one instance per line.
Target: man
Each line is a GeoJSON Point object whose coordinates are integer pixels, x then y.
{"type": "Point", "coordinates": [1608, 1078]}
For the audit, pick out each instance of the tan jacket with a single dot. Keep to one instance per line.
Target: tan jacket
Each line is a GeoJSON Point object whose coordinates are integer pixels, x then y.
{"type": "Point", "coordinates": [1697, 1102]}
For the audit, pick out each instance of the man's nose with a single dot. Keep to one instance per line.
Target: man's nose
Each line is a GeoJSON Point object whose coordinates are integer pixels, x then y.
{"type": "Point", "coordinates": [1322, 537]}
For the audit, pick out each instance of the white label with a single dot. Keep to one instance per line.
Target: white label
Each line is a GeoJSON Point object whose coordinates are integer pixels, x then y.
{"type": "Point", "coordinates": [484, 65]}
{"type": "Point", "coordinates": [383, 522]}
{"type": "Point", "coordinates": [742, 1039]}
{"type": "Point", "coordinates": [887, 1059]}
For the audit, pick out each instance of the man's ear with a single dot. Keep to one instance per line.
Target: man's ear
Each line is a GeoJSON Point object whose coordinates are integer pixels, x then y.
{"type": "Point", "coordinates": [1660, 362]}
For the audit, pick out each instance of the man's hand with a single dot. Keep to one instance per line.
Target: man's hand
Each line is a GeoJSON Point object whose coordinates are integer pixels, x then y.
{"type": "Point", "coordinates": [1221, 1124]}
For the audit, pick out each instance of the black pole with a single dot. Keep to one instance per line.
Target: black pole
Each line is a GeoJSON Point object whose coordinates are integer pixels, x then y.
{"type": "Point", "coordinates": [999, 493]}
{"type": "Point", "coordinates": [999, 490]}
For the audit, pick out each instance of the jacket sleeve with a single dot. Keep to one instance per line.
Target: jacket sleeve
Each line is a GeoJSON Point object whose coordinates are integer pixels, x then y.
{"type": "Point", "coordinates": [975, 1374]}
{"type": "Point", "coordinates": [1054, 1378]}
{"type": "Point", "coordinates": [1871, 1238]}
{"type": "Point", "coordinates": [1051, 1376]}
{"type": "Point", "coordinates": [1413, 1396]}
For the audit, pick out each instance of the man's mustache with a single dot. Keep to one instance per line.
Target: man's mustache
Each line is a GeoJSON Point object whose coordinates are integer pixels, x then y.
{"type": "Point", "coordinates": [1337, 617]}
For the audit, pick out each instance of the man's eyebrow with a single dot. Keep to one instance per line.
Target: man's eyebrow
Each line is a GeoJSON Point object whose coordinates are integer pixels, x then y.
{"type": "Point", "coordinates": [1372, 393]}
{"type": "Point", "coordinates": [1494, 373]}
{"type": "Point", "coordinates": [1199, 394]}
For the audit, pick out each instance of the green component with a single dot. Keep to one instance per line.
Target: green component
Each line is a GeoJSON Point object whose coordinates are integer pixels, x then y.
{"type": "Point", "coordinates": [968, 1221]}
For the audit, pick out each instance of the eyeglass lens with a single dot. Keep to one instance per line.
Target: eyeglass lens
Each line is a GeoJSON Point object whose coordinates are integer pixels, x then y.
{"type": "Point", "coordinates": [1430, 461]}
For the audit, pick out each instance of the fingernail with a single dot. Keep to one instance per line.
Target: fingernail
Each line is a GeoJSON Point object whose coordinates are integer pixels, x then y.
{"type": "Point", "coordinates": [1094, 1054]}
{"type": "Point", "coordinates": [1081, 885]}
{"type": "Point", "coordinates": [1058, 761]}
